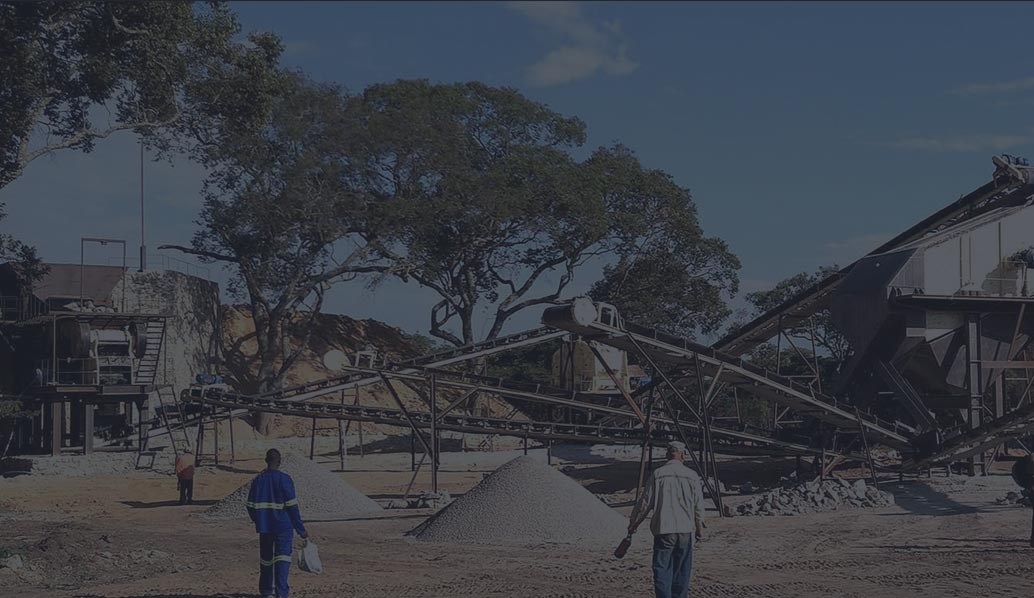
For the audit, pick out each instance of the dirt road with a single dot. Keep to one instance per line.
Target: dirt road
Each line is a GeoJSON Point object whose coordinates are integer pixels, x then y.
{"type": "Point", "coordinates": [124, 537]}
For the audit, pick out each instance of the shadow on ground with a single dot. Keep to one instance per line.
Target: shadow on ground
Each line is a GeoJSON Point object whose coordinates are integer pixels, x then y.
{"type": "Point", "coordinates": [165, 595]}
{"type": "Point", "coordinates": [918, 498]}
{"type": "Point", "coordinates": [136, 504]}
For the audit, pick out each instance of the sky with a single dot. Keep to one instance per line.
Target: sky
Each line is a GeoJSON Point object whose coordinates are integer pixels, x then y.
{"type": "Point", "coordinates": [808, 133]}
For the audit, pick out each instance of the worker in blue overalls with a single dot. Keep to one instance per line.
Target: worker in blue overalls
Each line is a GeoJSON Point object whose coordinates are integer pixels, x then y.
{"type": "Point", "coordinates": [273, 506]}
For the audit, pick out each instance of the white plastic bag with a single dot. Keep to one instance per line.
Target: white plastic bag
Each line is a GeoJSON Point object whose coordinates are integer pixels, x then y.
{"type": "Point", "coordinates": [309, 558]}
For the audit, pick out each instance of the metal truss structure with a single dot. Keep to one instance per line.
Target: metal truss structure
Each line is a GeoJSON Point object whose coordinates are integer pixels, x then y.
{"type": "Point", "coordinates": [688, 381]}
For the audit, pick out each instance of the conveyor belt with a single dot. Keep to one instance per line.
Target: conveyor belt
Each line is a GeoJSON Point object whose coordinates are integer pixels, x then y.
{"type": "Point", "coordinates": [1010, 184]}
{"type": "Point", "coordinates": [1011, 426]}
{"type": "Point", "coordinates": [666, 348]}
{"type": "Point", "coordinates": [725, 441]}
{"type": "Point", "coordinates": [326, 386]}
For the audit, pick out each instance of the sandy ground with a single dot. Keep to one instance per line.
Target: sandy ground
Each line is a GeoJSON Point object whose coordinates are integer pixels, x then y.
{"type": "Point", "coordinates": [126, 537]}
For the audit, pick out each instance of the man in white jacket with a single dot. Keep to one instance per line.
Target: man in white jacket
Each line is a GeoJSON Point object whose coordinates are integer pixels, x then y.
{"type": "Point", "coordinates": [675, 496]}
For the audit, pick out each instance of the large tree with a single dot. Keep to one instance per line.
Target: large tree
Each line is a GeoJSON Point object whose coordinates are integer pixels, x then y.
{"type": "Point", "coordinates": [679, 288]}
{"type": "Point", "coordinates": [493, 211]}
{"type": "Point", "coordinates": [832, 346]}
{"type": "Point", "coordinates": [281, 213]}
{"type": "Point", "coordinates": [76, 72]}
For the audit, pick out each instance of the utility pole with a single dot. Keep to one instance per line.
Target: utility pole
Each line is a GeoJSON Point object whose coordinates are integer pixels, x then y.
{"type": "Point", "coordinates": [143, 245]}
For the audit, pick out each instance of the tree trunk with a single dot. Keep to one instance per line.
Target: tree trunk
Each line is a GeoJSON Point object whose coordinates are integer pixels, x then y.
{"type": "Point", "coordinates": [268, 382]}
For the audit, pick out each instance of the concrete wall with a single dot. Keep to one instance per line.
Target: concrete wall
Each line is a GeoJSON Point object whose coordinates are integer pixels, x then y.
{"type": "Point", "coordinates": [192, 331]}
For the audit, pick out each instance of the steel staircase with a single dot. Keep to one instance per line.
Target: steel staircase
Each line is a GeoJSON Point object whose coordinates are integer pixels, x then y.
{"type": "Point", "coordinates": [147, 367]}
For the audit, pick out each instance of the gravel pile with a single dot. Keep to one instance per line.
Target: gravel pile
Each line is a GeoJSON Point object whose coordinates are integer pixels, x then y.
{"type": "Point", "coordinates": [83, 466]}
{"type": "Point", "coordinates": [815, 497]}
{"type": "Point", "coordinates": [1014, 498]}
{"type": "Point", "coordinates": [321, 495]}
{"type": "Point", "coordinates": [525, 502]}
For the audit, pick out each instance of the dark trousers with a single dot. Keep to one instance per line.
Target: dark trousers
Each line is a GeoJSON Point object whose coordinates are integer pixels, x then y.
{"type": "Point", "coordinates": [672, 564]}
{"type": "Point", "coordinates": [275, 555]}
{"type": "Point", "coordinates": [186, 491]}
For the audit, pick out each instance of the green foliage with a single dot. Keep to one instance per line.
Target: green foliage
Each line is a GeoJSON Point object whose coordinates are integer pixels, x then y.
{"type": "Point", "coordinates": [75, 72]}
{"type": "Point", "coordinates": [28, 267]}
{"type": "Point", "coordinates": [483, 202]}
{"type": "Point", "coordinates": [10, 408]}
{"type": "Point", "coordinates": [280, 213]}
{"type": "Point", "coordinates": [677, 291]}
{"type": "Point", "coordinates": [831, 344]}
{"type": "Point", "coordinates": [424, 345]}
{"type": "Point", "coordinates": [528, 364]}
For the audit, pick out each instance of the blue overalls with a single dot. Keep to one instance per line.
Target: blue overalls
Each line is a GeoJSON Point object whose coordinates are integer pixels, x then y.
{"type": "Point", "coordinates": [273, 506]}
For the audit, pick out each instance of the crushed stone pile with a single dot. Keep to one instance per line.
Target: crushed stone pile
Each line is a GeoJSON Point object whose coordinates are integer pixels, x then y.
{"type": "Point", "coordinates": [321, 495]}
{"type": "Point", "coordinates": [525, 501]}
{"type": "Point", "coordinates": [1014, 498]}
{"type": "Point", "coordinates": [816, 496]}
{"type": "Point", "coordinates": [88, 466]}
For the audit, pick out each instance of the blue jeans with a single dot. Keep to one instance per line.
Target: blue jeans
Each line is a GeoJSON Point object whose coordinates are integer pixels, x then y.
{"type": "Point", "coordinates": [275, 555]}
{"type": "Point", "coordinates": [672, 563]}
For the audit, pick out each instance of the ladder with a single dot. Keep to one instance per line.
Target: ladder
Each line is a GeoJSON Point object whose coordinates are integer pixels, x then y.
{"type": "Point", "coordinates": [147, 367]}
{"type": "Point", "coordinates": [173, 422]}
{"type": "Point", "coordinates": [174, 419]}
{"type": "Point", "coordinates": [211, 416]}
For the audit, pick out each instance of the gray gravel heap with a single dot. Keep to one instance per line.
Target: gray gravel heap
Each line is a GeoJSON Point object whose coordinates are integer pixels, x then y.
{"type": "Point", "coordinates": [814, 497]}
{"type": "Point", "coordinates": [322, 494]}
{"type": "Point", "coordinates": [88, 466]}
{"type": "Point", "coordinates": [1013, 498]}
{"type": "Point", "coordinates": [525, 502]}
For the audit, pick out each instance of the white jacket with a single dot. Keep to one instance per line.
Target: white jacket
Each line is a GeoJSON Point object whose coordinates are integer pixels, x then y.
{"type": "Point", "coordinates": [675, 495]}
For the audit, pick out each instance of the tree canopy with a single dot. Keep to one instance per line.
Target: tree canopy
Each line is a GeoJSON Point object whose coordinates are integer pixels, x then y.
{"type": "Point", "coordinates": [833, 348]}
{"type": "Point", "coordinates": [490, 208]}
{"type": "Point", "coordinates": [280, 212]}
{"type": "Point", "coordinates": [75, 72]}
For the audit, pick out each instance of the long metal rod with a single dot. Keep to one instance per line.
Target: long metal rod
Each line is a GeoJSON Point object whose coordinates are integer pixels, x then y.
{"type": "Point", "coordinates": [647, 448]}
{"type": "Point", "coordinates": [405, 413]}
{"type": "Point", "coordinates": [682, 435]}
{"type": "Point", "coordinates": [435, 461]}
{"type": "Point", "coordinates": [868, 453]}
{"type": "Point", "coordinates": [448, 408]}
{"type": "Point", "coordinates": [678, 426]}
{"type": "Point", "coordinates": [617, 383]}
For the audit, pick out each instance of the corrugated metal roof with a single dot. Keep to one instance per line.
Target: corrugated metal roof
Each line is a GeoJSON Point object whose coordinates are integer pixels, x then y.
{"type": "Point", "coordinates": [63, 281]}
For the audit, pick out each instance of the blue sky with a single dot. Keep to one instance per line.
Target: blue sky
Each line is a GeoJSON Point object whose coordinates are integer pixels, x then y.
{"type": "Point", "coordinates": [807, 132]}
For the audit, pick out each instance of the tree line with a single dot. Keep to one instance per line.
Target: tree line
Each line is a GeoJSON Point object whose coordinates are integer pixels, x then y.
{"type": "Point", "coordinates": [486, 197]}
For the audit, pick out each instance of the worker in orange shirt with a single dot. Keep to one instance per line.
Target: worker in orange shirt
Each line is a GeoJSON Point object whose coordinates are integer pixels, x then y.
{"type": "Point", "coordinates": [185, 476]}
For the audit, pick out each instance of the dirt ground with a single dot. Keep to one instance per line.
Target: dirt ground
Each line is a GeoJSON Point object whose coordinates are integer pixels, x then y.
{"type": "Point", "coordinates": [126, 537]}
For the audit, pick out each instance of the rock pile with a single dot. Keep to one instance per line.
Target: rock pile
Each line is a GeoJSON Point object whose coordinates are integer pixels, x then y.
{"type": "Point", "coordinates": [1013, 498]}
{"type": "Point", "coordinates": [321, 495]}
{"type": "Point", "coordinates": [83, 466]}
{"type": "Point", "coordinates": [814, 497]}
{"type": "Point", "coordinates": [525, 502]}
